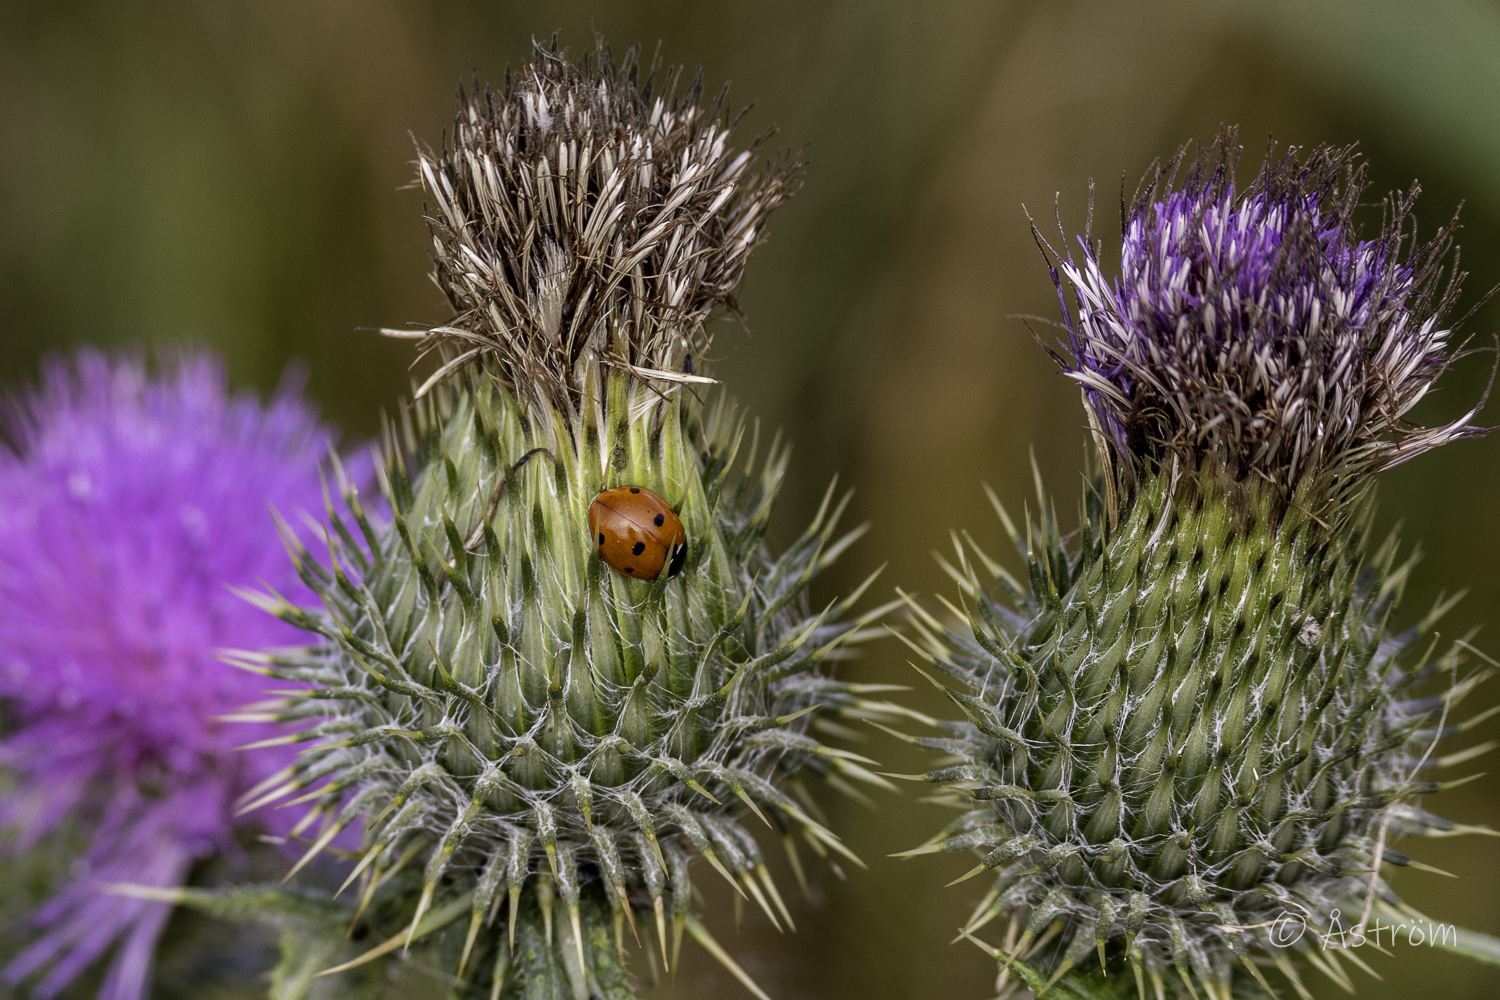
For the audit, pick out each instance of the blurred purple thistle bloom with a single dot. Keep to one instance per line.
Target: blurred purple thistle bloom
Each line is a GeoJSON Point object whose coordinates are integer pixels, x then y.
{"type": "Point", "coordinates": [1257, 330]}
{"type": "Point", "coordinates": [130, 506]}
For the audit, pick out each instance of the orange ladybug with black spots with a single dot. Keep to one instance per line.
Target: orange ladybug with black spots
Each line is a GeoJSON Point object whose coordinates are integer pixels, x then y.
{"type": "Point", "coordinates": [636, 533]}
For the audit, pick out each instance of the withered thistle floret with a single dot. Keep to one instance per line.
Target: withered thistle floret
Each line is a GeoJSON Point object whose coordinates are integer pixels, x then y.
{"type": "Point", "coordinates": [583, 215]}
{"type": "Point", "coordinates": [1195, 732]}
{"type": "Point", "coordinates": [538, 746]}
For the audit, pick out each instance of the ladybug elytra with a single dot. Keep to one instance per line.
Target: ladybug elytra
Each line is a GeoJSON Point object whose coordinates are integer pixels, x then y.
{"type": "Point", "coordinates": [637, 533]}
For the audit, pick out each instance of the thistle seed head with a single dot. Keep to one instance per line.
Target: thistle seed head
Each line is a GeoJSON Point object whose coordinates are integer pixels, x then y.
{"type": "Point", "coordinates": [1257, 330]}
{"type": "Point", "coordinates": [584, 217]}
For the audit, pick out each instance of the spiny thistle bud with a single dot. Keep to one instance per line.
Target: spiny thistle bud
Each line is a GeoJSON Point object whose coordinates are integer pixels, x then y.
{"type": "Point", "coordinates": [518, 724]}
{"type": "Point", "coordinates": [1196, 725]}
{"type": "Point", "coordinates": [128, 507]}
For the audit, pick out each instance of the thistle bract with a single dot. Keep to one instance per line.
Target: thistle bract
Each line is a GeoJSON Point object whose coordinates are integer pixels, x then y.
{"type": "Point", "coordinates": [129, 506]}
{"type": "Point", "coordinates": [1196, 723]}
{"type": "Point", "coordinates": [525, 728]}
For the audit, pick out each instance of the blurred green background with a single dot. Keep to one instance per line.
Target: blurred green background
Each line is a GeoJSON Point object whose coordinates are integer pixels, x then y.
{"type": "Point", "coordinates": [233, 174]}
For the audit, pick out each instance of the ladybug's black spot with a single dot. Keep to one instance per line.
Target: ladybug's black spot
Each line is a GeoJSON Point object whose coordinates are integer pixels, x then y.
{"type": "Point", "coordinates": [630, 569]}
{"type": "Point", "coordinates": [639, 548]}
{"type": "Point", "coordinates": [635, 489]}
{"type": "Point", "coordinates": [660, 520]}
{"type": "Point", "coordinates": [601, 538]}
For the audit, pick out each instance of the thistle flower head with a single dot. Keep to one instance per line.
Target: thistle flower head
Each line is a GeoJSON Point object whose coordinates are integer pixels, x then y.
{"type": "Point", "coordinates": [1196, 723]}
{"type": "Point", "coordinates": [583, 217]}
{"type": "Point", "coordinates": [518, 722]}
{"type": "Point", "coordinates": [1257, 329]}
{"type": "Point", "coordinates": [129, 506]}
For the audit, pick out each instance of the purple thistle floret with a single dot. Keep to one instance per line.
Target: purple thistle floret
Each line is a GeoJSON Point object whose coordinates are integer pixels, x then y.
{"type": "Point", "coordinates": [129, 507]}
{"type": "Point", "coordinates": [1256, 330]}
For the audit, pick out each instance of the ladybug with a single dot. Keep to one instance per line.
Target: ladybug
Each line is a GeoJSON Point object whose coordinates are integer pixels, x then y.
{"type": "Point", "coordinates": [637, 533]}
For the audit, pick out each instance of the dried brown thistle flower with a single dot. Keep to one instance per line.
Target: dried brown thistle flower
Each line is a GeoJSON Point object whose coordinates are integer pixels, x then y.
{"type": "Point", "coordinates": [582, 217]}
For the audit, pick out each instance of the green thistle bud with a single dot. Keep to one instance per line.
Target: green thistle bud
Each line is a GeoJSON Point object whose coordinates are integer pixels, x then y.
{"type": "Point", "coordinates": [537, 745]}
{"type": "Point", "coordinates": [1195, 730]}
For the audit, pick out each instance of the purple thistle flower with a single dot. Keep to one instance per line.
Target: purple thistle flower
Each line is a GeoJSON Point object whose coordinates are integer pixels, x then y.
{"type": "Point", "coordinates": [1256, 330]}
{"type": "Point", "coordinates": [130, 506]}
